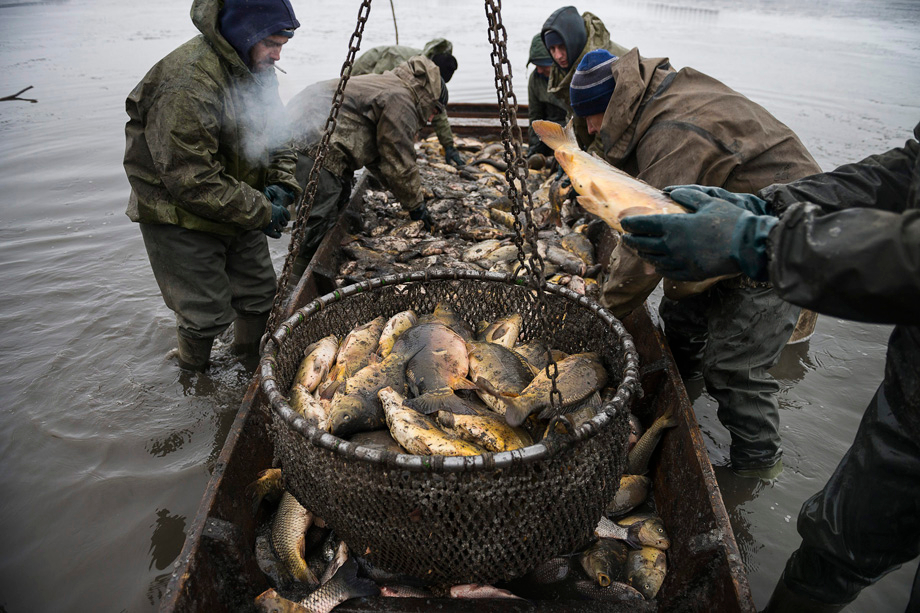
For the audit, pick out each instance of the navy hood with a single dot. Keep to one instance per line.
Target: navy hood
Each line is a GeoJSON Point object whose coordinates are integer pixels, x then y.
{"type": "Point", "coordinates": [245, 22]}
{"type": "Point", "coordinates": [568, 24]}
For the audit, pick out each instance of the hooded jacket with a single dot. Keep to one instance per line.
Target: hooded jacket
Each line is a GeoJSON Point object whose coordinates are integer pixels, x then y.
{"type": "Point", "coordinates": [848, 245]}
{"type": "Point", "coordinates": [670, 127]}
{"type": "Point", "coordinates": [203, 137]}
{"type": "Point", "coordinates": [377, 60]}
{"type": "Point", "coordinates": [377, 124]}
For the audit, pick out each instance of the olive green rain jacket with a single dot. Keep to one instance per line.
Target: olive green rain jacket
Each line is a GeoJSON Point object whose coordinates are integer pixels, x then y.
{"type": "Point", "coordinates": [377, 124]}
{"type": "Point", "coordinates": [560, 79]}
{"type": "Point", "coordinates": [377, 60]}
{"type": "Point", "coordinates": [670, 127]}
{"type": "Point", "coordinates": [201, 137]}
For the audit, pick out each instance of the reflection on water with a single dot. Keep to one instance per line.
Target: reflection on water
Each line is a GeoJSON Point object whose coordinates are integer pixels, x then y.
{"type": "Point", "coordinates": [168, 537]}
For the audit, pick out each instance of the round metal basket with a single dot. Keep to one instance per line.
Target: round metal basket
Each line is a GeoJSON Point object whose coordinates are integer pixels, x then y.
{"type": "Point", "coordinates": [476, 519]}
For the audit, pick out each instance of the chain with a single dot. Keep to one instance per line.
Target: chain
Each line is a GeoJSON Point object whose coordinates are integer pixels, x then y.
{"type": "Point", "coordinates": [305, 204]}
{"type": "Point", "coordinates": [517, 172]}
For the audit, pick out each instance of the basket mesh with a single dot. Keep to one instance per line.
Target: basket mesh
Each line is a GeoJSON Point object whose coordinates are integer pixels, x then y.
{"type": "Point", "coordinates": [455, 520]}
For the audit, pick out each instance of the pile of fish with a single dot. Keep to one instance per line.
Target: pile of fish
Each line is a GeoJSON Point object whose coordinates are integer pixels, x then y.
{"type": "Point", "coordinates": [472, 224]}
{"type": "Point", "coordinates": [434, 384]}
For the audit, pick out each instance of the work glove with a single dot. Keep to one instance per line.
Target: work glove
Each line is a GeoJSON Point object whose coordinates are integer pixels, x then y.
{"type": "Point", "coordinates": [717, 238]}
{"type": "Point", "coordinates": [564, 178]}
{"type": "Point", "coordinates": [453, 157]}
{"type": "Point", "coordinates": [420, 213]}
{"type": "Point", "coordinates": [279, 197]}
{"type": "Point", "coordinates": [748, 202]}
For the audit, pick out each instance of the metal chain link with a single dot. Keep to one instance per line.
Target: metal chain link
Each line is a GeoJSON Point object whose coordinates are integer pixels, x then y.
{"type": "Point", "coordinates": [305, 204]}
{"type": "Point", "coordinates": [518, 171]}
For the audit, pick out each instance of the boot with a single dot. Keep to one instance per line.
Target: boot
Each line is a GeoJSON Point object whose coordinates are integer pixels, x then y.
{"type": "Point", "coordinates": [194, 353]}
{"type": "Point", "coordinates": [785, 600]}
{"type": "Point", "coordinates": [247, 333]}
{"type": "Point", "coordinates": [764, 473]}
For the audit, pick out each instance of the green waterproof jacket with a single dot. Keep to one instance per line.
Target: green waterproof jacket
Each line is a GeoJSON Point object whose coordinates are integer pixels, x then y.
{"type": "Point", "coordinates": [204, 137]}
{"type": "Point", "coordinates": [541, 105]}
{"type": "Point", "coordinates": [377, 60]}
{"type": "Point", "coordinates": [377, 124]}
{"type": "Point", "coordinates": [560, 79]}
{"type": "Point", "coordinates": [670, 127]}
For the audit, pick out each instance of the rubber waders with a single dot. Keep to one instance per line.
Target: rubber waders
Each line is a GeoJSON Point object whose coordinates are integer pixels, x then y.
{"type": "Point", "coordinates": [194, 353]}
{"type": "Point", "coordinates": [785, 600]}
{"type": "Point", "coordinates": [247, 333]}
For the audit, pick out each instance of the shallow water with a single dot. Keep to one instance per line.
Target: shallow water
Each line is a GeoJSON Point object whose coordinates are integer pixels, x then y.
{"type": "Point", "coordinates": [106, 447]}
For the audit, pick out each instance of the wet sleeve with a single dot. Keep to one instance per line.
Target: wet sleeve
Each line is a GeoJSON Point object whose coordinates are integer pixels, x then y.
{"type": "Point", "coordinates": [441, 125]}
{"type": "Point", "coordinates": [536, 109]}
{"type": "Point", "coordinates": [859, 263]}
{"type": "Point", "coordinates": [183, 135]}
{"type": "Point", "coordinates": [397, 167]}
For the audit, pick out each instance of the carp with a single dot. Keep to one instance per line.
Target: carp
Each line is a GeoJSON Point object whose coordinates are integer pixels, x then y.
{"type": "Point", "coordinates": [640, 455]}
{"type": "Point", "coordinates": [357, 347]}
{"type": "Point", "coordinates": [506, 371]}
{"type": "Point", "coordinates": [308, 406]}
{"type": "Point", "coordinates": [417, 433]}
{"type": "Point", "coordinates": [268, 486]}
{"type": "Point", "coordinates": [289, 530]}
{"type": "Point", "coordinates": [395, 326]}
{"type": "Point", "coordinates": [357, 408]}
{"type": "Point", "coordinates": [344, 585]}
{"type": "Point", "coordinates": [605, 561]}
{"type": "Point", "coordinates": [503, 331]}
{"type": "Point", "coordinates": [492, 433]}
{"type": "Point", "coordinates": [646, 569]}
{"type": "Point", "coordinates": [648, 528]}
{"type": "Point", "coordinates": [319, 359]}
{"type": "Point", "coordinates": [632, 492]}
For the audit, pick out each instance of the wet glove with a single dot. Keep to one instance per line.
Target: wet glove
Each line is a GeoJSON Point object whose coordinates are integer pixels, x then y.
{"type": "Point", "coordinates": [717, 238]}
{"type": "Point", "coordinates": [564, 178]}
{"type": "Point", "coordinates": [748, 202]}
{"type": "Point", "coordinates": [420, 213]}
{"type": "Point", "coordinates": [280, 198]}
{"type": "Point", "coordinates": [453, 157]}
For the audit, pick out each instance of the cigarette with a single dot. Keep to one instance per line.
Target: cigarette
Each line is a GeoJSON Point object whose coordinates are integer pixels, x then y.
{"type": "Point", "coordinates": [277, 67]}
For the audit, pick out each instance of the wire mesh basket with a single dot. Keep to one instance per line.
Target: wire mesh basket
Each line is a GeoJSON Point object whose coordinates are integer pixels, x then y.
{"type": "Point", "coordinates": [448, 520]}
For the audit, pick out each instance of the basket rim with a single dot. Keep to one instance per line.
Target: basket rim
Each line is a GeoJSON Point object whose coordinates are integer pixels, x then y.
{"type": "Point", "coordinates": [626, 390]}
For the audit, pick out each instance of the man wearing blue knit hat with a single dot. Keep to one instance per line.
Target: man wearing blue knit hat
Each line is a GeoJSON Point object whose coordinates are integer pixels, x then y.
{"type": "Point", "coordinates": [669, 127]}
{"type": "Point", "coordinates": [210, 176]}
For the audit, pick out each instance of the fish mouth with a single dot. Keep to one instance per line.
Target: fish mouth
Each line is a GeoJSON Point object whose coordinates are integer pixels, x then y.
{"type": "Point", "coordinates": [603, 579]}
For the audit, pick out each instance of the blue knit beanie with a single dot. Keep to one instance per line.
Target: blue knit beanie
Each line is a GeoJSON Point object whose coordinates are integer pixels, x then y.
{"type": "Point", "coordinates": [245, 22]}
{"type": "Point", "coordinates": [593, 83]}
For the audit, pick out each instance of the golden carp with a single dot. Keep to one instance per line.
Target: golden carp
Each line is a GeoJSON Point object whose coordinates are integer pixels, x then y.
{"type": "Point", "coordinates": [492, 433]}
{"type": "Point", "coordinates": [504, 370]}
{"type": "Point", "coordinates": [578, 377]}
{"type": "Point", "coordinates": [503, 331]}
{"type": "Point", "coordinates": [395, 326]}
{"type": "Point", "coordinates": [319, 359]}
{"type": "Point", "coordinates": [632, 492]}
{"type": "Point", "coordinates": [605, 561]}
{"type": "Point", "coordinates": [268, 486]}
{"type": "Point", "coordinates": [377, 439]}
{"type": "Point", "coordinates": [289, 530]}
{"type": "Point", "coordinates": [357, 347]}
{"type": "Point", "coordinates": [607, 529]}
{"type": "Point", "coordinates": [580, 245]}
{"type": "Point", "coordinates": [417, 433]}
{"type": "Point", "coordinates": [309, 406]}
{"type": "Point", "coordinates": [447, 316]}
{"type": "Point", "coordinates": [344, 585]}
{"type": "Point", "coordinates": [534, 353]}
{"type": "Point", "coordinates": [645, 570]}
{"type": "Point", "coordinates": [438, 367]}
{"type": "Point", "coordinates": [648, 528]}
{"type": "Point", "coordinates": [481, 250]}
{"type": "Point", "coordinates": [641, 454]}
{"type": "Point", "coordinates": [357, 408]}
{"type": "Point", "coordinates": [604, 190]}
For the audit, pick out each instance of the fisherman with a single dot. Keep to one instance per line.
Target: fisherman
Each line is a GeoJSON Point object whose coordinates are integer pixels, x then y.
{"type": "Point", "coordinates": [568, 36]}
{"type": "Point", "coordinates": [540, 104]}
{"type": "Point", "coordinates": [845, 243]}
{"type": "Point", "coordinates": [378, 60]}
{"type": "Point", "coordinates": [648, 121]}
{"type": "Point", "coordinates": [376, 129]}
{"type": "Point", "coordinates": [208, 182]}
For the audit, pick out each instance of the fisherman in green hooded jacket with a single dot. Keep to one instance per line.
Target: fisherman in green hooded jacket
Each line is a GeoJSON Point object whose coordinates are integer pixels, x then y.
{"type": "Point", "coordinates": [209, 180]}
{"type": "Point", "coordinates": [378, 60]}
{"type": "Point", "coordinates": [540, 103]}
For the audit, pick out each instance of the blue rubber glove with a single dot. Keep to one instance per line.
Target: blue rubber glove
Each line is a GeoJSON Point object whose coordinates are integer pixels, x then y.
{"type": "Point", "coordinates": [748, 202]}
{"type": "Point", "coordinates": [420, 213]}
{"type": "Point", "coordinates": [717, 238]}
{"type": "Point", "coordinates": [453, 157]}
{"type": "Point", "coordinates": [280, 197]}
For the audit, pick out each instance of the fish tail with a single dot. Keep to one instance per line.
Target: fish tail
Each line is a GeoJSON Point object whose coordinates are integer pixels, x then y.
{"type": "Point", "coordinates": [438, 400]}
{"type": "Point", "coordinates": [516, 412]}
{"type": "Point", "coordinates": [354, 586]}
{"type": "Point", "coordinates": [553, 134]}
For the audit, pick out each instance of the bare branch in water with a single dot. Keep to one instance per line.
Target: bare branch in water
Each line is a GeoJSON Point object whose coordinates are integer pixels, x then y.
{"type": "Point", "coordinates": [16, 96]}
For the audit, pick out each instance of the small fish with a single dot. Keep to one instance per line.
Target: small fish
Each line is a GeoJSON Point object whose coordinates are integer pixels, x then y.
{"type": "Point", "coordinates": [641, 454]}
{"type": "Point", "coordinates": [404, 591]}
{"type": "Point", "coordinates": [632, 492]}
{"type": "Point", "coordinates": [503, 254]}
{"type": "Point", "coordinates": [395, 326]}
{"type": "Point", "coordinates": [478, 590]}
{"type": "Point", "coordinates": [566, 261]}
{"type": "Point", "coordinates": [446, 315]}
{"type": "Point", "coordinates": [338, 560]}
{"type": "Point", "coordinates": [535, 353]}
{"type": "Point", "coordinates": [580, 245]}
{"type": "Point", "coordinates": [289, 530]}
{"type": "Point", "coordinates": [358, 408]}
{"type": "Point", "coordinates": [503, 331]}
{"type": "Point", "coordinates": [319, 359]}
{"type": "Point", "coordinates": [635, 432]}
{"type": "Point", "coordinates": [377, 439]}
{"type": "Point", "coordinates": [646, 569]}
{"type": "Point", "coordinates": [553, 570]}
{"type": "Point", "coordinates": [418, 433]}
{"type": "Point", "coordinates": [605, 561]}
{"type": "Point", "coordinates": [604, 190]}
{"type": "Point", "coordinates": [649, 530]}
{"type": "Point", "coordinates": [268, 486]}
{"type": "Point", "coordinates": [357, 347]}
{"type": "Point", "coordinates": [502, 217]}
{"type": "Point", "coordinates": [344, 585]}
{"type": "Point", "coordinates": [504, 369]}
{"type": "Point", "coordinates": [491, 433]}
{"type": "Point", "coordinates": [578, 377]}
{"type": "Point", "coordinates": [481, 250]}
{"type": "Point", "coordinates": [308, 406]}
{"type": "Point", "coordinates": [616, 592]}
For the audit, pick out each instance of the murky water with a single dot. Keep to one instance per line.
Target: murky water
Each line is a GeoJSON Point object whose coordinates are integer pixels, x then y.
{"type": "Point", "coordinates": [106, 448]}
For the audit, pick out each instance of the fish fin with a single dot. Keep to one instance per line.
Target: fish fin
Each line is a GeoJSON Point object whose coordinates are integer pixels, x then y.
{"type": "Point", "coordinates": [439, 400]}
{"type": "Point", "coordinates": [515, 413]}
{"type": "Point", "coordinates": [632, 536]}
{"type": "Point", "coordinates": [330, 390]}
{"type": "Point", "coordinates": [462, 383]}
{"type": "Point", "coordinates": [553, 134]}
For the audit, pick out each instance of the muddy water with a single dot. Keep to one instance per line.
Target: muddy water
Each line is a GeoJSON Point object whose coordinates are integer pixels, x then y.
{"type": "Point", "coordinates": [106, 447]}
